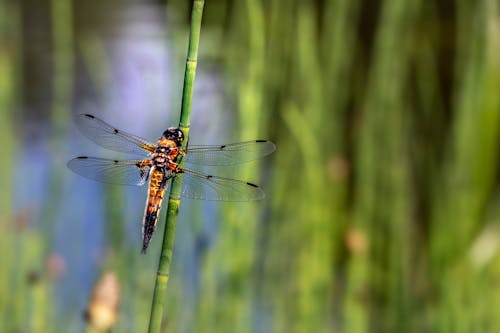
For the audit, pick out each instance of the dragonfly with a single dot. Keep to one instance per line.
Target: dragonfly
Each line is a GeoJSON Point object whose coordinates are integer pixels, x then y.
{"type": "Point", "coordinates": [160, 162]}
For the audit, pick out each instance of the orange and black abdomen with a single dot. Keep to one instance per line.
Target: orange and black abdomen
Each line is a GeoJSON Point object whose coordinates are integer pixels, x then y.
{"type": "Point", "coordinates": [164, 161]}
{"type": "Point", "coordinates": [156, 191]}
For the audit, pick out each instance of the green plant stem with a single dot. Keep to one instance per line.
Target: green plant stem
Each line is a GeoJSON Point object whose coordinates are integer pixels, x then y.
{"type": "Point", "coordinates": [162, 274]}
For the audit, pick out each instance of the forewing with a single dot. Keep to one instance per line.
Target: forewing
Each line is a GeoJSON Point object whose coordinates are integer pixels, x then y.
{"type": "Point", "coordinates": [200, 186]}
{"type": "Point", "coordinates": [111, 138]}
{"type": "Point", "coordinates": [128, 172]}
{"type": "Point", "coordinates": [233, 153]}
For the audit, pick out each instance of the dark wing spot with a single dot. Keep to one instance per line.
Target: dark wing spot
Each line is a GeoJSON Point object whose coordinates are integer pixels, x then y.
{"type": "Point", "coordinates": [89, 116]}
{"type": "Point", "coordinates": [260, 140]}
{"type": "Point", "coordinates": [209, 176]}
{"type": "Point", "coordinates": [253, 185]}
{"type": "Point", "coordinates": [82, 157]}
{"type": "Point", "coordinates": [116, 161]}
{"type": "Point", "coordinates": [223, 146]}
{"type": "Point", "coordinates": [115, 131]}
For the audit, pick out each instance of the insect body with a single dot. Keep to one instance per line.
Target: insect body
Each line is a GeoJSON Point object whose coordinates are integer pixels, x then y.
{"type": "Point", "coordinates": [163, 167]}
{"type": "Point", "coordinates": [162, 163]}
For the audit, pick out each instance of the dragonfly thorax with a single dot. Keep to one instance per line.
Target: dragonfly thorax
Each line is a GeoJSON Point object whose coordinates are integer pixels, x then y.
{"type": "Point", "coordinates": [167, 149]}
{"type": "Point", "coordinates": [165, 155]}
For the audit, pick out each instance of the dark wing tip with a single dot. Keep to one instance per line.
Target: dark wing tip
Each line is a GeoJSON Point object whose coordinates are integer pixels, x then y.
{"type": "Point", "coordinates": [88, 115]}
{"type": "Point", "coordinates": [258, 194]}
{"type": "Point", "coordinates": [70, 163]}
{"type": "Point", "coordinates": [271, 146]}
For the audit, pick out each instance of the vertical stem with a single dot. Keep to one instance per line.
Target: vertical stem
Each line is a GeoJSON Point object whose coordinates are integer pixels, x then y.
{"type": "Point", "coordinates": [174, 198]}
{"type": "Point", "coordinates": [11, 304]}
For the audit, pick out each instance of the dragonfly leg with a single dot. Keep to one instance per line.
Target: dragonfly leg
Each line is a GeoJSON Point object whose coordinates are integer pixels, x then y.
{"type": "Point", "coordinates": [174, 167]}
{"type": "Point", "coordinates": [144, 163]}
{"type": "Point", "coordinates": [180, 151]}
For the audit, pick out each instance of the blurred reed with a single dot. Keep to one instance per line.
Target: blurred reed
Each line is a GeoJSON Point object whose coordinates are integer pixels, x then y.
{"type": "Point", "coordinates": [42, 316]}
{"type": "Point", "coordinates": [12, 306]}
{"type": "Point", "coordinates": [9, 90]}
{"type": "Point", "coordinates": [226, 287]}
{"type": "Point", "coordinates": [463, 192]}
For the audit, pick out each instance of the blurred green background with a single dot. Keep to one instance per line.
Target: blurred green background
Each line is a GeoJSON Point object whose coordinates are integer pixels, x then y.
{"type": "Point", "coordinates": [383, 207]}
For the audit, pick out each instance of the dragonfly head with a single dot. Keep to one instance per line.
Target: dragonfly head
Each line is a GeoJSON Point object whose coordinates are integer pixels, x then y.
{"type": "Point", "coordinates": [175, 134]}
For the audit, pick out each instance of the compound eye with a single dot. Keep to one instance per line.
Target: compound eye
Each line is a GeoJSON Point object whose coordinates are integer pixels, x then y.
{"type": "Point", "coordinates": [180, 135]}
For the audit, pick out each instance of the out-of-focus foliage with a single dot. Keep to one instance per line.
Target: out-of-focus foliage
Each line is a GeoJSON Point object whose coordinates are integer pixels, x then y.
{"type": "Point", "coordinates": [383, 205]}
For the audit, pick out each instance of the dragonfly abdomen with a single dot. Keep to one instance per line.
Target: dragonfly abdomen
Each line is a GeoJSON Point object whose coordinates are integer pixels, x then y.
{"type": "Point", "coordinates": [164, 167]}
{"type": "Point", "coordinates": [157, 185]}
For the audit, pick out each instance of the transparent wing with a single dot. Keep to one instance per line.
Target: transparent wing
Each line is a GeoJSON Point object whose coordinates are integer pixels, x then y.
{"type": "Point", "coordinates": [233, 153]}
{"type": "Point", "coordinates": [196, 185]}
{"type": "Point", "coordinates": [111, 138]}
{"type": "Point", "coordinates": [128, 172]}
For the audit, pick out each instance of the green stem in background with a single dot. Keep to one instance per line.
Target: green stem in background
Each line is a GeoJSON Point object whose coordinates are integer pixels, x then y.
{"type": "Point", "coordinates": [174, 198]}
{"type": "Point", "coordinates": [11, 305]}
{"type": "Point", "coordinates": [42, 317]}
